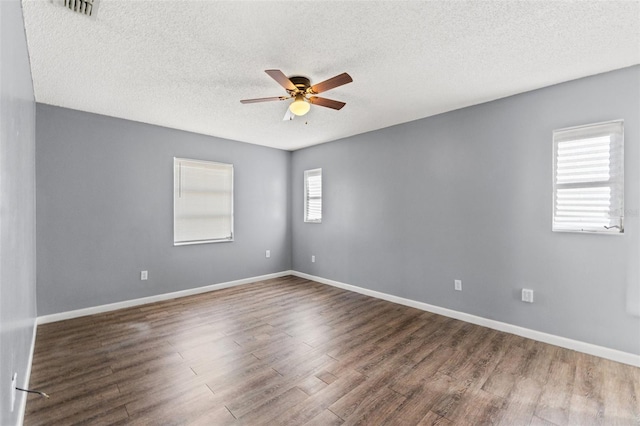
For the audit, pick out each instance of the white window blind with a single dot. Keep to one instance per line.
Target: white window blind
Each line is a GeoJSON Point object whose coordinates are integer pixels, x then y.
{"type": "Point", "coordinates": [313, 195]}
{"type": "Point", "coordinates": [202, 202]}
{"type": "Point", "coordinates": [588, 176]}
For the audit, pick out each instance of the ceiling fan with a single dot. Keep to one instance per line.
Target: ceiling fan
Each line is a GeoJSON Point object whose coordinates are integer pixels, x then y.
{"type": "Point", "coordinates": [303, 92]}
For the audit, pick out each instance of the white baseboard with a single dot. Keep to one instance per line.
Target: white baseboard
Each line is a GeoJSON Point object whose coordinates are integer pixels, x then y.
{"type": "Point", "coordinates": [576, 345]}
{"type": "Point", "coordinates": [27, 376]}
{"type": "Point", "coordinates": [151, 299]}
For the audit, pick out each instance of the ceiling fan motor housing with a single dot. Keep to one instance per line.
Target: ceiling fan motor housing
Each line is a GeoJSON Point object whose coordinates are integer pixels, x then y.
{"type": "Point", "coordinates": [301, 83]}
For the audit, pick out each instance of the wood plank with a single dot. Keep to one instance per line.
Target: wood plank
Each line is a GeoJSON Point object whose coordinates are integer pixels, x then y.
{"type": "Point", "coordinates": [325, 418]}
{"type": "Point", "coordinates": [185, 407]}
{"type": "Point", "coordinates": [326, 377]}
{"type": "Point", "coordinates": [621, 393]}
{"type": "Point", "coordinates": [417, 376]}
{"type": "Point", "coordinates": [585, 411]}
{"type": "Point", "coordinates": [521, 402]}
{"type": "Point", "coordinates": [272, 407]}
{"type": "Point", "coordinates": [375, 406]}
{"type": "Point", "coordinates": [418, 404]}
{"type": "Point", "coordinates": [218, 416]}
{"type": "Point", "coordinates": [432, 419]}
{"type": "Point", "coordinates": [349, 403]}
{"type": "Point", "coordinates": [538, 421]}
{"type": "Point", "coordinates": [500, 383]}
{"type": "Point", "coordinates": [556, 394]}
{"type": "Point", "coordinates": [311, 385]}
{"type": "Point", "coordinates": [315, 405]}
{"type": "Point", "coordinates": [475, 407]}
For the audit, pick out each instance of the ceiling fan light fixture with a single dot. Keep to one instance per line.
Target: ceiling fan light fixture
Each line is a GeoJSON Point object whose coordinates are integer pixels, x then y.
{"type": "Point", "coordinates": [300, 106]}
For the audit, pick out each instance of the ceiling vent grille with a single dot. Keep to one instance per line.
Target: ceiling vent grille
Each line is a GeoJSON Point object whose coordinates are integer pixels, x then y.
{"type": "Point", "coordinates": [83, 7]}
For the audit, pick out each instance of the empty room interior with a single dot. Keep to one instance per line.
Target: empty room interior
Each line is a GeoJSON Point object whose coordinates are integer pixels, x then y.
{"type": "Point", "coordinates": [322, 213]}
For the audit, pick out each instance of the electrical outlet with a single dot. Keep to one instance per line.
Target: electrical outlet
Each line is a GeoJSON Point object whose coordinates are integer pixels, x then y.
{"type": "Point", "coordinates": [313, 259]}
{"type": "Point", "coordinates": [14, 383]}
{"type": "Point", "coordinates": [527, 295]}
{"type": "Point", "coordinates": [267, 254]}
{"type": "Point", "coordinates": [144, 275]}
{"type": "Point", "coordinates": [457, 285]}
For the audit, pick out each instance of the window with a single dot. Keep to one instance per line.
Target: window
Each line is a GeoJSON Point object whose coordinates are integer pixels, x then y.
{"type": "Point", "coordinates": [588, 178]}
{"type": "Point", "coordinates": [313, 196]}
{"type": "Point", "coordinates": [202, 202]}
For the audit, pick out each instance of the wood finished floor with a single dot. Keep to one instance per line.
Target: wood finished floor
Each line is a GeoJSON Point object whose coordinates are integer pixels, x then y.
{"type": "Point", "coordinates": [292, 352]}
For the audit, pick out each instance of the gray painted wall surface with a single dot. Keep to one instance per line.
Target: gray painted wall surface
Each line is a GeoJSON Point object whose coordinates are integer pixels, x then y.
{"type": "Point", "coordinates": [467, 195]}
{"type": "Point", "coordinates": [105, 211]}
{"type": "Point", "coordinates": [17, 204]}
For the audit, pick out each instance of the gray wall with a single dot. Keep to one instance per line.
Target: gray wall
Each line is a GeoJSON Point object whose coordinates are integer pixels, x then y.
{"type": "Point", "coordinates": [105, 211]}
{"type": "Point", "coordinates": [467, 195]}
{"type": "Point", "coordinates": [17, 201]}
{"type": "Point", "coordinates": [407, 209]}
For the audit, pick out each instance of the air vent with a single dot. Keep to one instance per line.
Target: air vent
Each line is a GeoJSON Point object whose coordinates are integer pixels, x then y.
{"type": "Point", "coordinates": [83, 7]}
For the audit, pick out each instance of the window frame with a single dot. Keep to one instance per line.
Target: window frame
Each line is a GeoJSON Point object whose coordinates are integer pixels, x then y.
{"type": "Point", "coordinates": [307, 174]}
{"type": "Point", "coordinates": [176, 194]}
{"type": "Point", "coordinates": [615, 182]}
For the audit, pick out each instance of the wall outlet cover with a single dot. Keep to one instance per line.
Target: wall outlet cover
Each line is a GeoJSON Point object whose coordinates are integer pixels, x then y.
{"type": "Point", "coordinates": [457, 285]}
{"type": "Point", "coordinates": [144, 275]}
{"type": "Point", "coordinates": [527, 295]}
{"type": "Point", "coordinates": [267, 254]}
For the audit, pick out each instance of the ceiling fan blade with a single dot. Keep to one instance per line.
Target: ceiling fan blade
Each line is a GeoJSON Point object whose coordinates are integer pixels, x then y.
{"type": "Point", "coordinates": [332, 83]}
{"type": "Point", "coordinates": [329, 103]}
{"type": "Point", "coordinates": [288, 116]}
{"type": "Point", "coordinates": [273, 98]}
{"type": "Point", "coordinates": [282, 79]}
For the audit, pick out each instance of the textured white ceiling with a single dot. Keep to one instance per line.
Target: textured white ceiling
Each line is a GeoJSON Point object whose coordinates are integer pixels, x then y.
{"type": "Point", "coordinates": [186, 64]}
